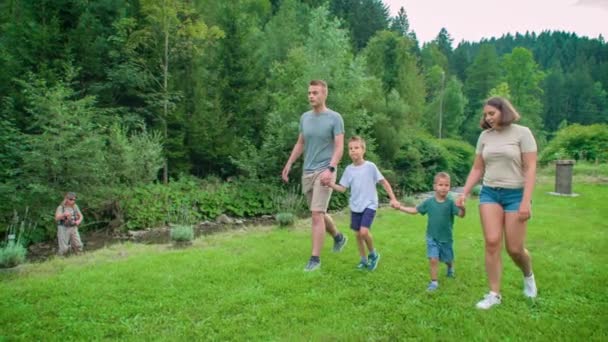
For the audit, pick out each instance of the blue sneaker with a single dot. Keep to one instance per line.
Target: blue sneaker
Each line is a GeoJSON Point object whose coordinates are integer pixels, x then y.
{"type": "Point", "coordinates": [433, 285]}
{"type": "Point", "coordinates": [339, 245]}
{"type": "Point", "coordinates": [451, 273]}
{"type": "Point", "coordinates": [362, 265]}
{"type": "Point", "coordinates": [373, 261]}
{"type": "Point", "coordinates": [312, 266]}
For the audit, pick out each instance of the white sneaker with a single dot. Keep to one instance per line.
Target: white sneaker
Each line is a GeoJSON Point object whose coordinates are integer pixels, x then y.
{"type": "Point", "coordinates": [530, 289]}
{"type": "Point", "coordinates": [489, 301]}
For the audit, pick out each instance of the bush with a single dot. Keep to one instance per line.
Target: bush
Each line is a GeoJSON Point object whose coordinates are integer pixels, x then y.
{"type": "Point", "coordinates": [156, 204]}
{"type": "Point", "coordinates": [460, 159]}
{"type": "Point", "coordinates": [579, 143]}
{"type": "Point", "coordinates": [182, 233]}
{"type": "Point", "coordinates": [285, 219]}
{"type": "Point", "coordinates": [417, 162]}
{"type": "Point", "coordinates": [12, 255]}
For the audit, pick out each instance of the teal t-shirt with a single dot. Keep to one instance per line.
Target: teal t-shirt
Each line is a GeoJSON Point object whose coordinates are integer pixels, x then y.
{"type": "Point", "coordinates": [440, 218]}
{"type": "Point", "coordinates": [319, 130]}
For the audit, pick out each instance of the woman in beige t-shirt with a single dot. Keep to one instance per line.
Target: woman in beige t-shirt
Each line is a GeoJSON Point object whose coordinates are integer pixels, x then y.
{"type": "Point", "coordinates": [506, 159]}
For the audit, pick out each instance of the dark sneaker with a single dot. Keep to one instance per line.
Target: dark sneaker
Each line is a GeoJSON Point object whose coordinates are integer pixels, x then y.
{"type": "Point", "coordinates": [362, 265]}
{"type": "Point", "coordinates": [373, 261]}
{"type": "Point", "coordinates": [312, 266]}
{"type": "Point", "coordinates": [451, 273]}
{"type": "Point", "coordinates": [339, 245]}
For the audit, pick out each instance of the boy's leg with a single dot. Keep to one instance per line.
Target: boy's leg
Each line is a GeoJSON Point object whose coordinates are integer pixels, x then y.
{"type": "Point", "coordinates": [366, 223]}
{"type": "Point", "coordinates": [446, 254]}
{"type": "Point", "coordinates": [434, 263]}
{"type": "Point", "coordinates": [450, 272]}
{"type": "Point", "coordinates": [366, 236]}
{"type": "Point", "coordinates": [432, 252]}
{"type": "Point", "coordinates": [361, 245]}
{"type": "Point", "coordinates": [363, 256]}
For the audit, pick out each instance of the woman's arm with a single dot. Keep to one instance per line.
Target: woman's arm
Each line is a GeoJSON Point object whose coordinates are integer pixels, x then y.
{"type": "Point", "coordinates": [529, 170]}
{"type": "Point", "coordinates": [474, 176]}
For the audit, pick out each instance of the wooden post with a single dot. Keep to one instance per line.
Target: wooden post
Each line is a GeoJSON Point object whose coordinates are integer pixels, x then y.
{"type": "Point", "coordinates": [563, 176]}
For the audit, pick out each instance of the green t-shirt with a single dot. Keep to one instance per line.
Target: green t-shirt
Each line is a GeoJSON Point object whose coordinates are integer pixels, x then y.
{"type": "Point", "coordinates": [319, 130]}
{"type": "Point", "coordinates": [440, 218]}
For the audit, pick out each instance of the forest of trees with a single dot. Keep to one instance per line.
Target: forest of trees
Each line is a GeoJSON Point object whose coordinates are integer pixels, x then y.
{"type": "Point", "coordinates": [120, 94]}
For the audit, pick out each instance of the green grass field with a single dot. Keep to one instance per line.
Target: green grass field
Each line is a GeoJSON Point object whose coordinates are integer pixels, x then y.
{"type": "Point", "coordinates": [249, 285]}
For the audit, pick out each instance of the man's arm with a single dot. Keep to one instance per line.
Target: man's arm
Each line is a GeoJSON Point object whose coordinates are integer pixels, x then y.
{"type": "Point", "coordinates": [296, 152]}
{"type": "Point", "coordinates": [335, 158]}
{"type": "Point", "coordinates": [338, 150]}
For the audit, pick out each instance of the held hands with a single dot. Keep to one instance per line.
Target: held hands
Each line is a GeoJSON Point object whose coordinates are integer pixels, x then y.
{"type": "Point", "coordinates": [326, 177]}
{"type": "Point", "coordinates": [460, 201]}
{"type": "Point", "coordinates": [395, 204]}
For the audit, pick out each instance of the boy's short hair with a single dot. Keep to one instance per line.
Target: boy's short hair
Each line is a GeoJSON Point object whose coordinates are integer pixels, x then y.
{"type": "Point", "coordinates": [357, 139]}
{"type": "Point", "coordinates": [441, 175]}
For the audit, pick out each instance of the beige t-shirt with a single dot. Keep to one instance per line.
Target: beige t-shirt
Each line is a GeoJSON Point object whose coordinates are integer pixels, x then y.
{"type": "Point", "coordinates": [501, 152]}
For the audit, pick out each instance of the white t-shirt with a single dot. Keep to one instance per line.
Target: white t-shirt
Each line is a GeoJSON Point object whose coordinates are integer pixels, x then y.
{"type": "Point", "coordinates": [501, 152]}
{"type": "Point", "coordinates": [362, 179]}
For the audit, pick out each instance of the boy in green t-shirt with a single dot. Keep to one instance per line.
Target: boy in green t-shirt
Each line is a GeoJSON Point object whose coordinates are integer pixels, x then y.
{"type": "Point", "coordinates": [441, 210]}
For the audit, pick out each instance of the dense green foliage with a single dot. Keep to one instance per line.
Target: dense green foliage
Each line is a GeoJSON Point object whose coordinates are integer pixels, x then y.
{"type": "Point", "coordinates": [249, 285]}
{"type": "Point", "coordinates": [112, 98]}
{"type": "Point", "coordinates": [584, 143]}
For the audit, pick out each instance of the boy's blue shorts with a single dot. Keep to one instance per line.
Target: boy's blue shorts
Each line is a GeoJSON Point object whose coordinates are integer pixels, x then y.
{"type": "Point", "coordinates": [508, 199]}
{"type": "Point", "coordinates": [364, 219]}
{"type": "Point", "coordinates": [439, 250]}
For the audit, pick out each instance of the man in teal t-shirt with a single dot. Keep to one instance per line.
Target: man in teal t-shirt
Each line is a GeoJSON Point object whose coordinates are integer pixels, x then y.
{"type": "Point", "coordinates": [441, 210]}
{"type": "Point", "coordinates": [321, 140]}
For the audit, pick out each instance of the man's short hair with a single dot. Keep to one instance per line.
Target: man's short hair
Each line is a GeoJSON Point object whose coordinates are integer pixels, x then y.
{"type": "Point", "coordinates": [319, 83]}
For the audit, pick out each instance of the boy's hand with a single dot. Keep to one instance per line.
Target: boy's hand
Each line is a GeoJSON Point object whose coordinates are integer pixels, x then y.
{"type": "Point", "coordinates": [460, 201]}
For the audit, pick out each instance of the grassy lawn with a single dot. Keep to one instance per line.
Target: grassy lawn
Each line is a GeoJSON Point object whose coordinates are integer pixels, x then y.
{"type": "Point", "coordinates": [249, 285]}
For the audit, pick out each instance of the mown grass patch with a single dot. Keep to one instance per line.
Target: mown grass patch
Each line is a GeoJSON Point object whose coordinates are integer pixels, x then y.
{"type": "Point", "coordinates": [249, 285]}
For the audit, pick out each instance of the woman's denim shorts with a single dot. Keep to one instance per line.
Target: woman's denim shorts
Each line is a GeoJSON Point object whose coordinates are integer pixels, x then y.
{"type": "Point", "coordinates": [508, 199]}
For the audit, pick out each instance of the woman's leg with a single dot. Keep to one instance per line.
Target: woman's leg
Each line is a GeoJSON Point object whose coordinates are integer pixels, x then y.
{"type": "Point", "coordinates": [515, 237]}
{"type": "Point", "coordinates": [492, 221]}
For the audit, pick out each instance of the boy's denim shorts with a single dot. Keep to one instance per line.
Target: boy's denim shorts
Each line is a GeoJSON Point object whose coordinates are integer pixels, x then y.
{"type": "Point", "coordinates": [364, 219]}
{"type": "Point", "coordinates": [508, 199]}
{"type": "Point", "coordinates": [439, 250]}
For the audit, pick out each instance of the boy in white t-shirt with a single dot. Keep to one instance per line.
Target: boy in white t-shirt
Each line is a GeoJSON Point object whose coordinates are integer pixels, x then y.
{"type": "Point", "coordinates": [361, 177]}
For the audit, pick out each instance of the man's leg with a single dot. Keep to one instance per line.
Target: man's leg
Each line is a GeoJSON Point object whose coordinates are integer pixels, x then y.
{"type": "Point", "coordinates": [318, 232]}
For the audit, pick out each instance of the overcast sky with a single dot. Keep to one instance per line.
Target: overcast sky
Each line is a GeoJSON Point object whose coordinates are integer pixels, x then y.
{"type": "Point", "coordinates": [475, 19]}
